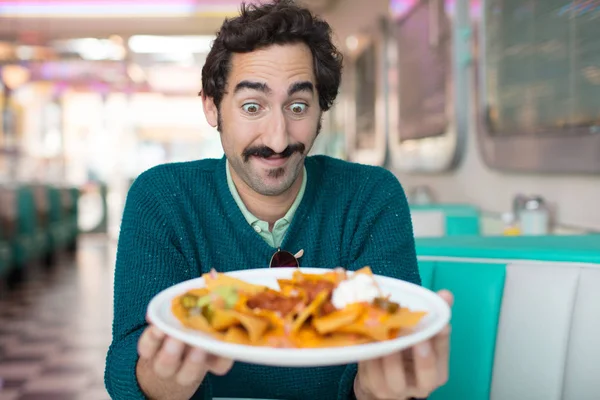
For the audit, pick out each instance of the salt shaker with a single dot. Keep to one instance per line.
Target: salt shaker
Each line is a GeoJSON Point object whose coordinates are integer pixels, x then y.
{"type": "Point", "coordinates": [534, 217]}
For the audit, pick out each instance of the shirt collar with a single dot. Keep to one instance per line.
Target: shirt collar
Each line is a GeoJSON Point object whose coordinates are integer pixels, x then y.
{"type": "Point", "coordinates": [251, 218]}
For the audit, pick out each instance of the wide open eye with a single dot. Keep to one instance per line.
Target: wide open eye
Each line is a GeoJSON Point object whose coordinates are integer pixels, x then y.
{"type": "Point", "coordinates": [298, 108]}
{"type": "Point", "coordinates": [251, 108]}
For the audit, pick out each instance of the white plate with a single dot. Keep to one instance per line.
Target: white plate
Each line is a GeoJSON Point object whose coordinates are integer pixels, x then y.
{"type": "Point", "coordinates": [407, 294]}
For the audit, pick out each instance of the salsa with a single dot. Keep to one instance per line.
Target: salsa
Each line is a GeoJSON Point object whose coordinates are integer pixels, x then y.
{"type": "Point", "coordinates": [284, 305]}
{"type": "Point", "coordinates": [274, 302]}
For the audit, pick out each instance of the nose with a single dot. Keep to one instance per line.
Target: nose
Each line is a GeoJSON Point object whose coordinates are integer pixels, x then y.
{"type": "Point", "coordinates": [275, 134]}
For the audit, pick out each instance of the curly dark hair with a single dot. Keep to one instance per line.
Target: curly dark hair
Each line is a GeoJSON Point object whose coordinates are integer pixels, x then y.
{"type": "Point", "coordinates": [259, 26]}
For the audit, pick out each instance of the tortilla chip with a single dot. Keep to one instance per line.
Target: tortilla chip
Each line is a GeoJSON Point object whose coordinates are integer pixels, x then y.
{"type": "Point", "coordinates": [331, 276]}
{"type": "Point", "coordinates": [370, 324]}
{"type": "Point", "coordinates": [343, 339]}
{"type": "Point", "coordinates": [222, 319]}
{"type": "Point", "coordinates": [308, 337]}
{"type": "Point", "coordinates": [177, 308]}
{"type": "Point", "coordinates": [337, 319]}
{"type": "Point", "coordinates": [211, 281]}
{"type": "Point", "coordinates": [255, 326]}
{"type": "Point", "coordinates": [238, 335]}
{"type": "Point", "coordinates": [293, 291]}
{"type": "Point", "coordinates": [275, 320]}
{"type": "Point", "coordinates": [225, 319]}
{"type": "Point", "coordinates": [308, 311]}
{"type": "Point", "coordinates": [404, 318]}
{"type": "Point", "coordinates": [199, 292]}
{"type": "Point", "coordinates": [378, 333]}
{"type": "Point", "coordinates": [277, 338]}
{"type": "Point", "coordinates": [364, 270]}
{"type": "Point", "coordinates": [285, 283]}
{"type": "Point", "coordinates": [199, 323]}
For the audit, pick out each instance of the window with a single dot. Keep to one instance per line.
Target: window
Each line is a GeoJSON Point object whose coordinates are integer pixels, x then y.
{"type": "Point", "coordinates": [424, 62]}
{"type": "Point", "coordinates": [539, 85]}
{"type": "Point", "coordinates": [542, 67]}
{"type": "Point", "coordinates": [365, 83]}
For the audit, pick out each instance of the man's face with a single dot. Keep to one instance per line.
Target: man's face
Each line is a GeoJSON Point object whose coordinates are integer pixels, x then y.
{"type": "Point", "coordinates": [269, 116]}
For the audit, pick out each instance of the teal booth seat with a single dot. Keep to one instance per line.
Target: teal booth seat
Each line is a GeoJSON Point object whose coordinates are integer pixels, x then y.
{"type": "Point", "coordinates": [477, 291]}
{"type": "Point", "coordinates": [5, 254]}
{"type": "Point", "coordinates": [8, 216]}
{"type": "Point", "coordinates": [42, 220]}
{"type": "Point", "coordinates": [71, 200]}
{"type": "Point", "coordinates": [525, 313]}
{"type": "Point", "coordinates": [31, 241]}
{"type": "Point", "coordinates": [59, 223]}
{"type": "Point", "coordinates": [446, 220]}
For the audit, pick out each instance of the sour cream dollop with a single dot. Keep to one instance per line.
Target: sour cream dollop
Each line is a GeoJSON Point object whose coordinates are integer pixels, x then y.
{"type": "Point", "coordinates": [359, 288]}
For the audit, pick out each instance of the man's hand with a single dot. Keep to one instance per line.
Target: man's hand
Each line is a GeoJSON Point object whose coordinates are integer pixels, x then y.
{"type": "Point", "coordinates": [178, 369]}
{"type": "Point", "coordinates": [411, 373]}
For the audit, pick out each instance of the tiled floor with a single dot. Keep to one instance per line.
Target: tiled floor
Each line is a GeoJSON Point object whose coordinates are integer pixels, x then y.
{"type": "Point", "coordinates": [55, 328]}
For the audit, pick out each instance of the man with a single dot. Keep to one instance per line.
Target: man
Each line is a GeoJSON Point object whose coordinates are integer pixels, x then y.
{"type": "Point", "coordinates": [270, 75]}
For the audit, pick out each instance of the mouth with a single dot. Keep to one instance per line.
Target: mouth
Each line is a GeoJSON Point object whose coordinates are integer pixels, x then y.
{"type": "Point", "coordinates": [275, 161]}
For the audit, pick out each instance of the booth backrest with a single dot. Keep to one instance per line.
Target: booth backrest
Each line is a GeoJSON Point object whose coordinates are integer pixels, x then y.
{"type": "Point", "coordinates": [27, 212]}
{"type": "Point", "coordinates": [548, 343]}
{"type": "Point", "coordinates": [55, 204]}
{"type": "Point", "coordinates": [520, 329]}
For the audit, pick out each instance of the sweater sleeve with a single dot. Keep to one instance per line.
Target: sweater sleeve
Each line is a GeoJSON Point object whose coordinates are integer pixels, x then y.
{"type": "Point", "coordinates": [383, 239]}
{"type": "Point", "coordinates": [148, 261]}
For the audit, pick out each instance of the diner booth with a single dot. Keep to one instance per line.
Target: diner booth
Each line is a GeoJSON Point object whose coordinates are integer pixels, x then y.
{"type": "Point", "coordinates": [526, 316]}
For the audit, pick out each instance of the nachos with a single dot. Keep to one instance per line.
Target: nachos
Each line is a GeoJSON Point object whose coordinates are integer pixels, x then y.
{"type": "Point", "coordinates": [309, 310]}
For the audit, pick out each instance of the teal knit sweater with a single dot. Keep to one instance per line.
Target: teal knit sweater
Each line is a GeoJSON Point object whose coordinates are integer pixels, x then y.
{"type": "Point", "coordinates": [180, 220]}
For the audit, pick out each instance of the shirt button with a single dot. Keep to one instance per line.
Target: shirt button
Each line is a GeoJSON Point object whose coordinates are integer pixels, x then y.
{"type": "Point", "coordinates": [257, 229]}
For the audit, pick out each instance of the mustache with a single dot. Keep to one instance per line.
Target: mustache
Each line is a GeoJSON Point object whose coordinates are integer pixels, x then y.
{"type": "Point", "coordinates": [266, 152]}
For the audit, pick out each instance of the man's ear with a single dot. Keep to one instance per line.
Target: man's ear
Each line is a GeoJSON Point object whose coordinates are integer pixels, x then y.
{"type": "Point", "coordinates": [210, 110]}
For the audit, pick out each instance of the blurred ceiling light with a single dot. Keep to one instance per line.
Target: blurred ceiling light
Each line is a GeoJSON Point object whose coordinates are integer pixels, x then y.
{"type": "Point", "coordinates": [400, 8]}
{"type": "Point", "coordinates": [175, 79]}
{"type": "Point", "coordinates": [117, 40]}
{"type": "Point", "coordinates": [14, 76]}
{"type": "Point", "coordinates": [170, 44]}
{"type": "Point", "coordinates": [25, 52]}
{"type": "Point", "coordinates": [136, 73]}
{"type": "Point", "coordinates": [97, 9]}
{"type": "Point", "coordinates": [92, 49]}
{"type": "Point", "coordinates": [183, 58]}
{"type": "Point", "coordinates": [352, 43]}
{"type": "Point", "coordinates": [6, 51]}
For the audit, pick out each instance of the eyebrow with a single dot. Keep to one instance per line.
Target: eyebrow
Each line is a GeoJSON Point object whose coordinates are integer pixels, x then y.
{"type": "Point", "coordinates": [303, 86]}
{"type": "Point", "coordinates": [259, 86]}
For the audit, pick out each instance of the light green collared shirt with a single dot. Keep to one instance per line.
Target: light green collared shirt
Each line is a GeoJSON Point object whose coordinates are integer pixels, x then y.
{"type": "Point", "coordinates": [274, 237]}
